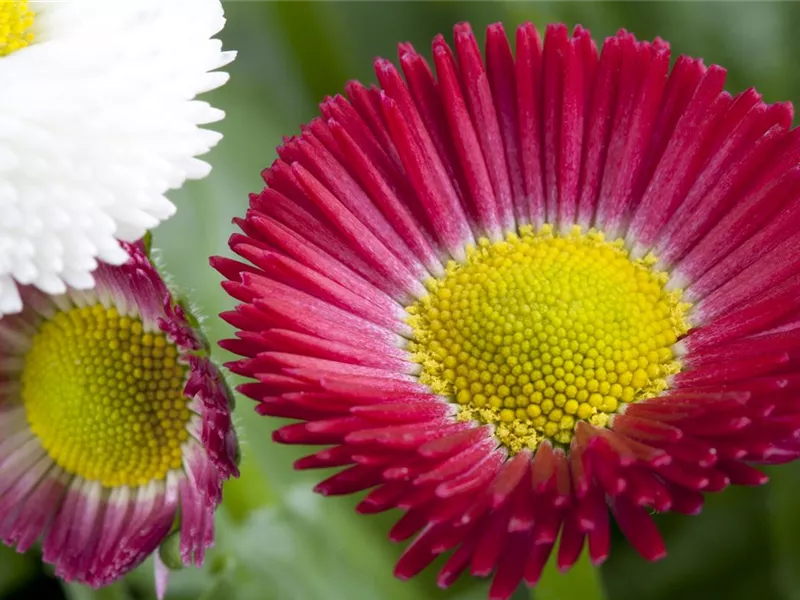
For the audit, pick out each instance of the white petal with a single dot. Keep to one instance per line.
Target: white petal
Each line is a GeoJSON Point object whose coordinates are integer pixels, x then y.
{"type": "Point", "coordinates": [10, 302]}
{"type": "Point", "coordinates": [98, 120]}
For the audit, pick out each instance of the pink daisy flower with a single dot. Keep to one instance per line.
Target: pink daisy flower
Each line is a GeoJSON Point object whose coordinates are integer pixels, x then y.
{"type": "Point", "coordinates": [115, 426]}
{"type": "Point", "coordinates": [528, 294]}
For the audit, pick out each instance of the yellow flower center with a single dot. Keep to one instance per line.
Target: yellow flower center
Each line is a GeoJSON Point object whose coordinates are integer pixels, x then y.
{"type": "Point", "coordinates": [105, 397]}
{"type": "Point", "coordinates": [16, 19]}
{"type": "Point", "coordinates": [539, 331]}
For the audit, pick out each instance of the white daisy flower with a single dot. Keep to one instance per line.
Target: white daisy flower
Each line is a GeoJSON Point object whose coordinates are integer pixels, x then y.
{"type": "Point", "coordinates": [98, 120]}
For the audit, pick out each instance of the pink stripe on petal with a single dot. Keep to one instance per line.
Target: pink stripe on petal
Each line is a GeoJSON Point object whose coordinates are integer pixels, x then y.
{"type": "Point", "coordinates": [136, 286]}
{"type": "Point", "coordinates": [290, 272]}
{"type": "Point", "coordinates": [306, 305]}
{"type": "Point", "coordinates": [455, 443]}
{"type": "Point", "coordinates": [490, 546]}
{"type": "Point", "coordinates": [277, 220]}
{"type": "Point", "coordinates": [682, 82]}
{"type": "Point", "coordinates": [14, 463]}
{"type": "Point", "coordinates": [599, 121]}
{"type": "Point", "coordinates": [480, 102]}
{"type": "Point", "coordinates": [17, 502]}
{"type": "Point", "coordinates": [483, 205]}
{"type": "Point", "coordinates": [196, 508]}
{"type": "Point", "coordinates": [626, 83]}
{"type": "Point", "coordinates": [206, 385]}
{"type": "Point", "coordinates": [511, 566]}
{"type": "Point", "coordinates": [367, 245]}
{"type": "Point", "coordinates": [599, 533]}
{"type": "Point", "coordinates": [654, 61]}
{"type": "Point", "coordinates": [355, 121]}
{"type": "Point", "coordinates": [367, 102]}
{"type": "Point", "coordinates": [501, 74]}
{"type": "Point", "coordinates": [525, 501]}
{"type": "Point", "coordinates": [457, 464]}
{"type": "Point", "coordinates": [681, 160]}
{"type": "Point", "coordinates": [751, 252]}
{"type": "Point", "coordinates": [388, 198]}
{"type": "Point", "coordinates": [338, 181]}
{"type": "Point", "coordinates": [749, 319]}
{"type": "Point", "coordinates": [300, 343]}
{"type": "Point", "coordinates": [639, 528]}
{"type": "Point", "coordinates": [769, 186]}
{"type": "Point", "coordinates": [229, 268]}
{"type": "Point", "coordinates": [37, 513]}
{"type": "Point", "coordinates": [529, 109]}
{"type": "Point", "coordinates": [146, 526]}
{"type": "Point", "coordinates": [556, 48]}
{"type": "Point", "coordinates": [118, 508]}
{"type": "Point", "coordinates": [536, 562]}
{"type": "Point", "coordinates": [359, 280]}
{"type": "Point", "coordinates": [298, 361]}
{"type": "Point", "coordinates": [422, 164]}
{"type": "Point", "coordinates": [570, 544]}
{"type": "Point", "coordinates": [580, 61]}
{"type": "Point", "coordinates": [80, 546]}
{"type": "Point", "coordinates": [472, 481]}
{"type": "Point", "coordinates": [415, 558]}
{"type": "Point", "coordinates": [56, 537]}
{"type": "Point", "coordinates": [724, 172]}
{"type": "Point", "coordinates": [404, 411]}
{"type": "Point", "coordinates": [427, 101]}
{"type": "Point", "coordinates": [380, 388]}
{"type": "Point", "coordinates": [772, 274]}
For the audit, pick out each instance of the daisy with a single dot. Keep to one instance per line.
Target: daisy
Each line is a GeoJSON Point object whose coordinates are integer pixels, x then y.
{"type": "Point", "coordinates": [528, 295]}
{"type": "Point", "coordinates": [115, 426]}
{"type": "Point", "coordinates": [97, 121]}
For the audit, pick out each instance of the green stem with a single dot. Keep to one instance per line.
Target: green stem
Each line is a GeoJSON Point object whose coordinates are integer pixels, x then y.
{"type": "Point", "coordinates": [116, 591]}
{"type": "Point", "coordinates": [581, 582]}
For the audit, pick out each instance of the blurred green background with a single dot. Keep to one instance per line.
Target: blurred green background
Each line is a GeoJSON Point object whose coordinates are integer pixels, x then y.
{"type": "Point", "coordinates": [278, 541]}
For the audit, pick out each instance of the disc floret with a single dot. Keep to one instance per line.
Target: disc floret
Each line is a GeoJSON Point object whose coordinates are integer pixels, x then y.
{"type": "Point", "coordinates": [105, 397]}
{"type": "Point", "coordinates": [540, 330]}
{"type": "Point", "coordinates": [16, 20]}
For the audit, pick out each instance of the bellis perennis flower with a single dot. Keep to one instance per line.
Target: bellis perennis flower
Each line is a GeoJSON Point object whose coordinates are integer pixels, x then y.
{"type": "Point", "coordinates": [113, 423]}
{"type": "Point", "coordinates": [527, 294]}
{"type": "Point", "coordinates": [97, 121]}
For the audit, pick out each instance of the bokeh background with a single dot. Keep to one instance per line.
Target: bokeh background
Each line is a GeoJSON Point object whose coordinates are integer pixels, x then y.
{"type": "Point", "coordinates": [278, 541]}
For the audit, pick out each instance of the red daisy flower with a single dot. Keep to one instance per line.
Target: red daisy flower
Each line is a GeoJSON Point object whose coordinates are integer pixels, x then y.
{"type": "Point", "coordinates": [115, 426]}
{"type": "Point", "coordinates": [527, 291]}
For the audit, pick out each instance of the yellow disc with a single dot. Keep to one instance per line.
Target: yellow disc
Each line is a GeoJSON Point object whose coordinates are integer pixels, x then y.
{"type": "Point", "coordinates": [105, 397]}
{"type": "Point", "coordinates": [539, 331]}
{"type": "Point", "coordinates": [16, 20]}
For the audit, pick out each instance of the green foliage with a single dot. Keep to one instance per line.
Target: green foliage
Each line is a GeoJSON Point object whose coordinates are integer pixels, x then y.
{"type": "Point", "coordinates": [275, 539]}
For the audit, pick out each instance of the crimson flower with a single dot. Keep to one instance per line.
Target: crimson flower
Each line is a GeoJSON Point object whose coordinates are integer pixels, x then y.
{"type": "Point", "coordinates": [115, 426]}
{"type": "Point", "coordinates": [528, 293]}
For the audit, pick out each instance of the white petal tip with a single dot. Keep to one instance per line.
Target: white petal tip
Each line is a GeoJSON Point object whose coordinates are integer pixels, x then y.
{"type": "Point", "coordinates": [161, 576]}
{"type": "Point", "coordinates": [227, 57]}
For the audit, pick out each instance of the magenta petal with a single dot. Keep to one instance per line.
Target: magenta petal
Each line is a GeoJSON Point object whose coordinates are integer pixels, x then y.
{"type": "Point", "coordinates": [398, 189]}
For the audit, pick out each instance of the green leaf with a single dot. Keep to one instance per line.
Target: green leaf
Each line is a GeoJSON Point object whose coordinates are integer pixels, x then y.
{"type": "Point", "coordinates": [784, 526]}
{"type": "Point", "coordinates": [583, 581]}
{"type": "Point", "coordinates": [15, 569]}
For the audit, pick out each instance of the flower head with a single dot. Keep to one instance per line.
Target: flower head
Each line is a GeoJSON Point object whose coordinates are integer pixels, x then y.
{"type": "Point", "coordinates": [113, 421]}
{"type": "Point", "coordinates": [528, 293]}
{"type": "Point", "coordinates": [98, 122]}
